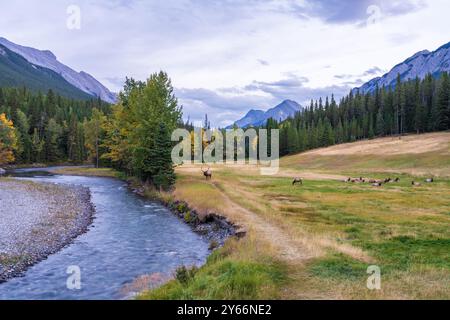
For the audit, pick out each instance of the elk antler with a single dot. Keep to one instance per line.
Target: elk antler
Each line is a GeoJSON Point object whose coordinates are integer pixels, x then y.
{"type": "Point", "coordinates": [204, 171]}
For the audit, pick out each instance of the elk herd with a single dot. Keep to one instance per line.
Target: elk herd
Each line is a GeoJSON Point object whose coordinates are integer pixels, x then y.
{"type": "Point", "coordinates": [380, 182]}
{"type": "Point", "coordinates": [373, 182]}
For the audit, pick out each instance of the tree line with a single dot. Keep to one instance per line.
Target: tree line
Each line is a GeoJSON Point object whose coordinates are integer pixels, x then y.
{"type": "Point", "coordinates": [47, 128]}
{"type": "Point", "coordinates": [414, 106]}
{"type": "Point", "coordinates": [133, 136]}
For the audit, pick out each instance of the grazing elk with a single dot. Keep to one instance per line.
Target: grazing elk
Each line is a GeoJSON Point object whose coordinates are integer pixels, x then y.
{"type": "Point", "coordinates": [297, 180]}
{"type": "Point", "coordinates": [207, 173]}
{"type": "Point", "coordinates": [377, 184]}
{"type": "Point", "coordinates": [397, 180]}
{"type": "Point", "coordinates": [387, 180]}
{"type": "Point", "coordinates": [415, 184]}
{"type": "Point", "coordinates": [429, 180]}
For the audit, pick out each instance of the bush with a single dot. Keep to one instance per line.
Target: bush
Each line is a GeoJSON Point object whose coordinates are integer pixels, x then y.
{"type": "Point", "coordinates": [185, 275]}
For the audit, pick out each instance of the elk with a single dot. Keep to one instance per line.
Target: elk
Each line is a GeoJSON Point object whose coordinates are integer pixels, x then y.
{"type": "Point", "coordinates": [207, 173]}
{"type": "Point", "coordinates": [297, 180]}
{"type": "Point", "coordinates": [415, 184]}
{"type": "Point", "coordinates": [429, 180]}
{"type": "Point", "coordinates": [387, 180]}
{"type": "Point", "coordinates": [377, 184]}
{"type": "Point", "coordinates": [397, 180]}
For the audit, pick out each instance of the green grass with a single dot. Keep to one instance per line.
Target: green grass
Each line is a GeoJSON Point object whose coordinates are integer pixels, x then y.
{"type": "Point", "coordinates": [339, 267]}
{"type": "Point", "coordinates": [90, 172]}
{"type": "Point", "coordinates": [226, 277]}
{"type": "Point", "coordinates": [404, 253]}
{"type": "Point", "coordinates": [402, 229]}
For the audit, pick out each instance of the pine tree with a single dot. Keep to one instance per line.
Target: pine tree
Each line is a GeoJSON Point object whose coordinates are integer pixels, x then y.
{"type": "Point", "coordinates": [380, 125]}
{"type": "Point", "coordinates": [37, 147]}
{"type": "Point", "coordinates": [159, 163]}
{"type": "Point", "coordinates": [52, 134]}
{"type": "Point", "coordinates": [24, 140]}
{"type": "Point", "coordinates": [292, 140]}
{"type": "Point", "coordinates": [443, 102]}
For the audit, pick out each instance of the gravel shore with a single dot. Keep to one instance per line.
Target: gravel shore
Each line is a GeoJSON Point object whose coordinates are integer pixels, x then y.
{"type": "Point", "coordinates": [37, 220]}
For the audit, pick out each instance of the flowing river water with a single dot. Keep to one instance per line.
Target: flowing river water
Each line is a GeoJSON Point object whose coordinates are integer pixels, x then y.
{"type": "Point", "coordinates": [130, 237]}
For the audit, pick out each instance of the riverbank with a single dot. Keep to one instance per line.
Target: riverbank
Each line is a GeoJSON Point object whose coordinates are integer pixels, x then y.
{"type": "Point", "coordinates": [37, 220]}
{"type": "Point", "coordinates": [316, 241]}
{"type": "Point", "coordinates": [210, 225]}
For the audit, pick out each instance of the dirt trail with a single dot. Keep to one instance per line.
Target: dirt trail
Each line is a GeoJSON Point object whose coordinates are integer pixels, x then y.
{"type": "Point", "coordinates": [290, 173]}
{"type": "Point", "coordinates": [292, 249]}
{"type": "Point", "coordinates": [287, 248]}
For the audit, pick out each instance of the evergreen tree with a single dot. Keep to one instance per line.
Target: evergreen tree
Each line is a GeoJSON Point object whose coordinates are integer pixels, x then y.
{"type": "Point", "coordinates": [37, 147]}
{"type": "Point", "coordinates": [23, 153]}
{"type": "Point", "coordinates": [292, 140]}
{"type": "Point", "coordinates": [53, 133]}
{"type": "Point", "coordinates": [159, 164]}
{"type": "Point", "coordinates": [380, 125]}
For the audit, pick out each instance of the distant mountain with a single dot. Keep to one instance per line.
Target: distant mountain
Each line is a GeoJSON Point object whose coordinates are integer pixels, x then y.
{"type": "Point", "coordinates": [82, 80]}
{"type": "Point", "coordinates": [16, 71]}
{"type": "Point", "coordinates": [419, 65]}
{"type": "Point", "coordinates": [252, 117]}
{"type": "Point", "coordinates": [281, 112]}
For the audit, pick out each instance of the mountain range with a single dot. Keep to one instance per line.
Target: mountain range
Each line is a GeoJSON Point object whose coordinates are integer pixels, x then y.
{"type": "Point", "coordinates": [418, 65]}
{"type": "Point", "coordinates": [41, 70]}
{"type": "Point", "coordinates": [281, 112]}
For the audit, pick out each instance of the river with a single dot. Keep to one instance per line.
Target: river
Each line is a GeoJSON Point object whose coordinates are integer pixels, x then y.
{"type": "Point", "coordinates": [130, 237]}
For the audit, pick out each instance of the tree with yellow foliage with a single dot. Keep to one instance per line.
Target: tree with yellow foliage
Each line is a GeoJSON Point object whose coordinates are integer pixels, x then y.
{"type": "Point", "coordinates": [8, 140]}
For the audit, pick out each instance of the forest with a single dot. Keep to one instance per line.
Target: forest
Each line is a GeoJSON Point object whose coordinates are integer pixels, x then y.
{"type": "Point", "coordinates": [415, 106]}
{"type": "Point", "coordinates": [134, 135]}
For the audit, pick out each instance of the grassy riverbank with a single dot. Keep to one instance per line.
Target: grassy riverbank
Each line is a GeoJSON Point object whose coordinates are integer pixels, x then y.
{"type": "Point", "coordinates": [316, 241]}
{"type": "Point", "coordinates": [88, 171]}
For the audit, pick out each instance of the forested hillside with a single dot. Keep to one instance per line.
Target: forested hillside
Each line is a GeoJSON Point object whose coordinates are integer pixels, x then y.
{"type": "Point", "coordinates": [415, 106]}
{"type": "Point", "coordinates": [16, 71]}
{"type": "Point", "coordinates": [49, 128]}
{"type": "Point", "coordinates": [132, 136]}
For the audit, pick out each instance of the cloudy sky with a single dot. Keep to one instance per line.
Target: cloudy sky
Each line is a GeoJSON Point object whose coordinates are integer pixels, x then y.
{"type": "Point", "coordinates": [228, 56]}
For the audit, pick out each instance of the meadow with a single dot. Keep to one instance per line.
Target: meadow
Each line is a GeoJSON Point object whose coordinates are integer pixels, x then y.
{"type": "Point", "coordinates": [316, 241]}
